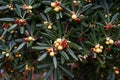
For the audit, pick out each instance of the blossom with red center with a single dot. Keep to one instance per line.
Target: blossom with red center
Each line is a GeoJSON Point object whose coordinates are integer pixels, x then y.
{"type": "Point", "coordinates": [107, 27]}
{"type": "Point", "coordinates": [57, 3]}
{"type": "Point", "coordinates": [21, 22]}
{"type": "Point", "coordinates": [17, 21]}
{"type": "Point", "coordinates": [25, 7]}
{"type": "Point", "coordinates": [63, 43]}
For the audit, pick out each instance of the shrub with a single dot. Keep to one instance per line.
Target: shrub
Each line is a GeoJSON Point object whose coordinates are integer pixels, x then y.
{"type": "Point", "coordinates": [59, 40]}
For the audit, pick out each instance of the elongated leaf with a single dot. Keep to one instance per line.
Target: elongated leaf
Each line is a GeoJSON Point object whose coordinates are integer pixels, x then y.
{"type": "Point", "coordinates": [42, 44]}
{"type": "Point", "coordinates": [84, 8]}
{"type": "Point", "coordinates": [49, 36]}
{"type": "Point", "coordinates": [100, 24]}
{"type": "Point", "coordinates": [32, 28]}
{"type": "Point", "coordinates": [17, 10]}
{"type": "Point", "coordinates": [12, 43]}
{"type": "Point", "coordinates": [46, 2]}
{"type": "Point", "coordinates": [4, 32]}
{"type": "Point", "coordinates": [60, 76]}
{"type": "Point", "coordinates": [43, 56]}
{"type": "Point", "coordinates": [67, 71]}
{"type": "Point", "coordinates": [43, 16]}
{"type": "Point", "coordinates": [20, 66]}
{"type": "Point", "coordinates": [39, 25]}
{"type": "Point", "coordinates": [1, 56]}
{"type": "Point", "coordinates": [55, 61]}
{"type": "Point", "coordinates": [114, 17]}
{"type": "Point", "coordinates": [47, 10]}
{"type": "Point", "coordinates": [7, 19]}
{"type": "Point", "coordinates": [12, 27]}
{"type": "Point", "coordinates": [3, 44]}
{"type": "Point", "coordinates": [36, 5]}
{"type": "Point", "coordinates": [43, 66]}
{"type": "Point", "coordinates": [39, 47]}
{"type": "Point", "coordinates": [102, 17]}
{"type": "Point", "coordinates": [29, 75]}
{"type": "Point", "coordinates": [3, 7]}
{"type": "Point", "coordinates": [59, 28]}
{"type": "Point", "coordinates": [64, 54]}
{"type": "Point", "coordinates": [48, 74]}
{"type": "Point", "coordinates": [55, 74]}
{"type": "Point", "coordinates": [20, 46]}
{"type": "Point", "coordinates": [75, 46]}
{"type": "Point", "coordinates": [62, 60]}
{"type": "Point", "coordinates": [31, 1]}
{"type": "Point", "coordinates": [72, 54]}
{"type": "Point", "coordinates": [22, 29]}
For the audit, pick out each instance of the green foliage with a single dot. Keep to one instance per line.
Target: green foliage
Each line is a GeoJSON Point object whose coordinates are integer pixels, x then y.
{"type": "Point", "coordinates": [60, 40]}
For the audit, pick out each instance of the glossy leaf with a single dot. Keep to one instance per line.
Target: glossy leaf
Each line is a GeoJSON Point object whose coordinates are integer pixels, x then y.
{"type": "Point", "coordinates": [43, 56]}
{"type": "Point", "coordinates": [72, 54]}
{"type": "Point", "coordinates": [66, 71]}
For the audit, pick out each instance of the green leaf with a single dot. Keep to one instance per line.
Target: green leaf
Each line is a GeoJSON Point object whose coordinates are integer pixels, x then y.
{"type": "Point", "coordinates": [43, 56]}
{"type": "Point", "coordinates": [102, 17]}
{"type": "Point", "coordinates": [114, 17]}
{"type": "Point", "coordinates": [55, 61]}
{"type": "Point", "coordinates": [48, 74]}
{"type": "Point", "coordinates": [36, 5]}
{"type": "Point", "coordinates": [57, 16]}
{"type": "Point", "coordinates": [31, 1]}
{"type": "Point", "coordinates": [20, 46]}
{"type": "Point", "coordinates": [67, 71]}
{"type": "Point", "coordinates": [43, 66]}
{"type": "Point", "coordinates": [3, 44]}
{"type": "Point", "coordinates": [7, 19]}
{"type": "Point", "coordinates": [84, 8]}
{"type": "Point", "coordinates": [39, 25]}
{"type": "Point", "coordinates": [75, 46]}
{"type": "Point", "coordinates": [64, 54]}
{"type": "Point", "coordinates": [55, 74]}
{"type": "Point", "coordinates": [42, 44]}
{"type": "Point", "coordinates": [111, 76]}
{"type": "Point", "coordinates": [32, 30]}
{"type": "Point", "coordinates": [39, 47]}
{"type": "Point", "coordinates": [22, 29]}
{"type": "Point", "coordinates": [46, 2]}
{"type": "Point", "coordinates": [29, 75]}
{"type": "Point", "coordinates": [59, 28]}
{"type": "Point", "coordinates": [49, 36]}
{"type": "Point", "coordinates": [43, 16]}
{"type": "Point", "coordinates": [20, 66]}
{"type": "Point", "coordinates": [3, 7]}
{"type": "Point", "coordinates": [1, 56]}
{"type": "Point", "coordinates": [12, 27]}
{"type": "Point", "coordinates": [4, 33]}
{"type": "Point", "coordinates": [72, 54]}
{"type": "Point", "coordinates": [47, 10]}
{"type": "Point", "coordinates": [62, 60]}
{"type": "Point", "coordinates": [17, 10]}
{"type": "Point", "coordinates": [61, 15]}
{"type": "Point", "coordinates": [100, 24]}
{"type": "Point", "coordinates": [89, 43]}
{"type": "Point", "coordinates": [60, 75]}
